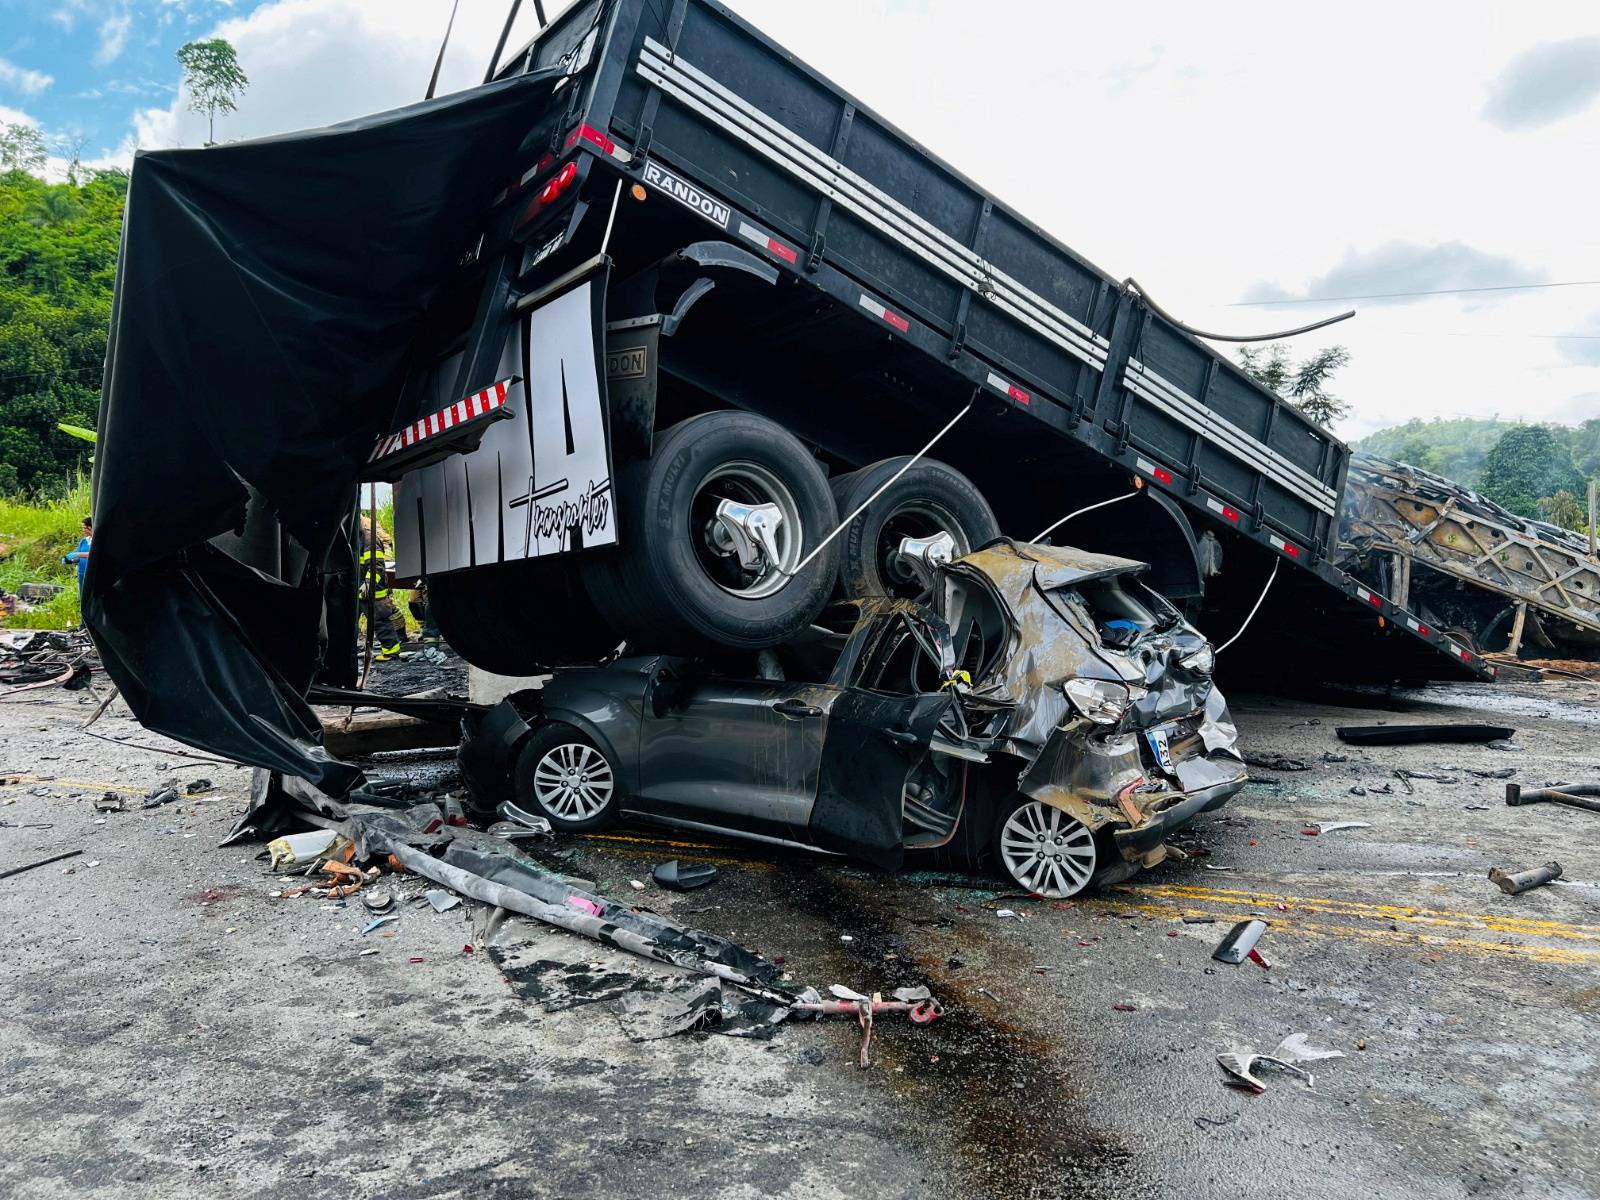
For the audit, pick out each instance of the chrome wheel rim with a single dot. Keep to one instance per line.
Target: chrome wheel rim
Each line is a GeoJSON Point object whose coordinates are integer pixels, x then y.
{"type": "Point", "coordinates": [915, 519]}
{"type": "Point", "coordinates": [572, 781]}
{"type": "Point", "coordinates": [1046, 851]}
{"type": "Point", "coordinates": [751, 484]}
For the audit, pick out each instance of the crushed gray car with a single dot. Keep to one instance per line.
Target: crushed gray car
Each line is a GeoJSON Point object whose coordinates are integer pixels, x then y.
{"type": "Point", "coordinates": [1037, 709]}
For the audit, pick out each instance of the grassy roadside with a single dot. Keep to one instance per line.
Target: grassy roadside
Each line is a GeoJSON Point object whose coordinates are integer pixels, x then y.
{"type": "Point", "coordinates": [34, 534]}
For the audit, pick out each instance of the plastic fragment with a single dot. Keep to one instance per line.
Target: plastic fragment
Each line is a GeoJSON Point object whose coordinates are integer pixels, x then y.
{"type": "Point", "coordinates": [441, 901]}
{"type": "Point", "coordinates": [371, 925]}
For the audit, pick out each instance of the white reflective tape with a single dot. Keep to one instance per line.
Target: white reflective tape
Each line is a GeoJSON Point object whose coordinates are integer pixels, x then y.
{"type": "Point", "coordinates": [1364, 594]}
{"type": "Point", "coordinates": [749, 231]}
{"type": "Point", "coordinates": [876, 309]}
{"type": "Point", "coordinates": [1149, 468]}
{"type": "Point", "coordinates": [1413, 626]}
{"type": "Point", "coordinates": [1214, 505]}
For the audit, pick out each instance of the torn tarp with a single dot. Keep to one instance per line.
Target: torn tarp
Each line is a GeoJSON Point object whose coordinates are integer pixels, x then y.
{"type": "Point", "coordinates": [267, 294]}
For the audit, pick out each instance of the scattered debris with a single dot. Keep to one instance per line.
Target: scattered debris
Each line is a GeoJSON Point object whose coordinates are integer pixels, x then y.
{"type": "Point", "coordinates": [1502, 773]}
{"type": "Point", "coordinates": [1515, 883]}
{"type": "Point", "coordinates": [111, 802]}
{"type": "Point", "coordinates": [1239, 942]}
{"type": "Point", "coordinates": [377, 921]}
{"type": "Point", "coordinates": [1268, 761]}
{"type": "Point", "coordinates": [441, 901]}
{"type": "Point", "coordinates": [43, 862]}
{"type": "Point", "coordinates": [165, 794]}
{"type": "Point", "coordinates": [378, 901]}
{"type": "Point", "coordinates": [199, 787]}
{"type": "Point", "coordinates": [1198, 919]}
{"type": "Point", "coordinates": [1336, 826]}
{"type": "Point", "coordinates": [1573, 795]}
{"type": "Point", "coordinates": [1412, 735]}
{"type": "Point", "coordinates": [1240, 1063]}
{"type": "Point", "coordinates": [679, 877]}
{"type": "Point", "coordinates": [298, 849]}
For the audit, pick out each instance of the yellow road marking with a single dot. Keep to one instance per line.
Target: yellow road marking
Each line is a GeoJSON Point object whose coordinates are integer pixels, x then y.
{"type": "Point", "coordinates": [20, 780]}
{"type": "Point", "coordinates": [1391, 937]}
{"type": "Point", "coordinates": [1448, 918]}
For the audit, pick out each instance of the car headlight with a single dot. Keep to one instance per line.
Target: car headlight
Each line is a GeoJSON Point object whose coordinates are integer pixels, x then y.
{"type": "Point", "coordinates": [1103, 701]}
{"type": "Point", "coordinates": [1201, 661]}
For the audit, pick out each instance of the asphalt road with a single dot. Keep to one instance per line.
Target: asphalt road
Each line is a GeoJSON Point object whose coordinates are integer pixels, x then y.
{"type": "Point", "coordinates": [169, 1028]}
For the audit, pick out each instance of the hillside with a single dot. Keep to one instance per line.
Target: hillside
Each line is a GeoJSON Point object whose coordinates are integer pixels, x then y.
{"type": "Point", "coordinates": [1456, 448]}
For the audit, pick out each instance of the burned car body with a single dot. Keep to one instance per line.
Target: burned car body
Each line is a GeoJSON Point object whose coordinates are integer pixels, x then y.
{"type": "Point", "coordinates": [1037, 708]}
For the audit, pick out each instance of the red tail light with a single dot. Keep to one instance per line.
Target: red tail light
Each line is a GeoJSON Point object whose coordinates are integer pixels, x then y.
{"type": "Point", "coordinates": [562, 181]}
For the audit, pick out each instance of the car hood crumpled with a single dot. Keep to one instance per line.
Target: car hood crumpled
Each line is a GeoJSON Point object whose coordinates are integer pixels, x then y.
{"type": "Point", "coordinates": [1046, 649]}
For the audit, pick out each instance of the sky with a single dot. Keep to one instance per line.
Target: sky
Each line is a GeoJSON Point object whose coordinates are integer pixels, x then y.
{"type": "Point", "coordinates": [1237, 160]}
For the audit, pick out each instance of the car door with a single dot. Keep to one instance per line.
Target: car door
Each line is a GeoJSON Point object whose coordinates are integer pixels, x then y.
{"type": "Point", "coordinates": [878, 737]}
{"type": "Point", "coordinates": [741, 754]}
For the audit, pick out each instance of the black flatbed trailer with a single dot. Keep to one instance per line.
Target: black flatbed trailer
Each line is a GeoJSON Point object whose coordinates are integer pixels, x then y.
{"type": "Point", "coordinates": [903, 292]}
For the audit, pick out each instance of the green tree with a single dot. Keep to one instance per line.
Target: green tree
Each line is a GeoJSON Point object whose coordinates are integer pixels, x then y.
{"type": "Point", "coordinates": [1303, 384]}
{"type": "Point", "coordinates": [213, 79]}
{"type": "Point", "coordinates": [22, 149]}
{"type": "Point", "coordinates": [58, 255]}
{"type": "Point", "coordinates": [1563, 509]}
{"type": "Point", "coordinates": [1527, 464]}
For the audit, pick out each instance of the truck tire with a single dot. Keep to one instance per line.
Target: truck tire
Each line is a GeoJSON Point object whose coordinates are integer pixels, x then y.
{"type": "Point", "coordinates": [932, 497]}
{"type": "Point", "coordinates": [520, 618]}
{"type": "Point", "coordinates": [677, 584]}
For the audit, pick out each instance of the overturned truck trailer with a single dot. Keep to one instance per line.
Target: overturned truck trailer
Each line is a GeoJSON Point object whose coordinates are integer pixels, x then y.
{"type": "Point", "coordinates": [632, 329]}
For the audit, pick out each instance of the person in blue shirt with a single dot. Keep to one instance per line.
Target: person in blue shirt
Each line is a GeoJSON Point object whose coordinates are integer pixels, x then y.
{"type": "Point", "coordinates": [80, 554]}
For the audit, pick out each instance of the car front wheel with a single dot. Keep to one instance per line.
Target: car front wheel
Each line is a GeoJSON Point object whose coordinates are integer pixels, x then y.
{"type": "Point", "coordinates": [563, 776]}
{"type": "Point", "coordinates": [1043, 850]}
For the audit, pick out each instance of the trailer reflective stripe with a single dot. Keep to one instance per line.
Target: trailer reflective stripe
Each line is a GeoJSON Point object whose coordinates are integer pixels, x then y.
{"type": "Point", "coordinates": [1185, 409]}
{"type": "Point", "coordinates": [1007, 388]}
{"type": "Point", "coordinates": [1417, 626]}
{"type": "Point", "coordinates": [1159, 474]}
{"type": "Point", "coordinates": [766, 241]}
{"type": "Point", "coordinates": [1226, 511]}
{"type": "Point", "coordinates": [480, 403]}
{"type": "Point", "coordinates": [1288, 548]}
{"type": "Point", "coordinates": [597, 139]}
{"type": "Point", "coordinates": [1371, 598]}
{"type": "Point", "coordinates": [704, 95]}
{"type": "Point", "coordinates": [886, 315]}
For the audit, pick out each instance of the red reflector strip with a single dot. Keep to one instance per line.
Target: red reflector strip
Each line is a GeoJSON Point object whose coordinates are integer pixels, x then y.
{"type": "Point", "coordinates": [1466, 656]}
{"type": "Point", "coordinates": [1417, 626]}
{"type": "Point", "coordinates": [1226, 511]}
{"type": "Point", "coordinates": [476, 405]}
{"type": "Point", "coordinates": [767, 242]}
{"type": "Point", "coordinates": [1288, 548]}
{"type": "Point", "coordinates": [1007, 388]}
{"type": "Point", "coordinates": [1371, 598]}
{"type": "Point", "coordinates": [588, 133]}
{"type": "Point", "coordinates": [1159, 474]}
{"type": "Point", "coordinates": [887, 316]}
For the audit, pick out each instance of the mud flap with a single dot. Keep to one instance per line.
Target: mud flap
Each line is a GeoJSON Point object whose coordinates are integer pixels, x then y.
{"type": "Point", "coordinates": [873, 744]}
{"type": "Point", "coordinates": [539, 482]}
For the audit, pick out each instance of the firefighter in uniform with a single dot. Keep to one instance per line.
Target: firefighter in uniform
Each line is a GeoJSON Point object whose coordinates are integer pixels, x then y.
{"type": "Point", "coordinates": [387, 632]}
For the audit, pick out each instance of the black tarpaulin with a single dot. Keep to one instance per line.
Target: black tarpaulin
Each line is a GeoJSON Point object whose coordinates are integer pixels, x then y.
{"type": "Point", "coordinates": [266, 295]}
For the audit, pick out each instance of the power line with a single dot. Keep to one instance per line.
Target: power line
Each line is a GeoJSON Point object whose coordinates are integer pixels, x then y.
{"type": "Point", "coordinates": [1504, 287]}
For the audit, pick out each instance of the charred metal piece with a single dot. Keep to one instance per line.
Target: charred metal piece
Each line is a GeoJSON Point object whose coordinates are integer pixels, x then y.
{"type": "Point", "coordinates": [1573, 795]}
{"type": "Point", "coordinates": [1413, 735]}
{"type": "Point", "coordinates": [681, 877]}
{"type": "Point", "coordinates": [1514, 883]}
{"type": "Point", "coordinates": [1240, 942]}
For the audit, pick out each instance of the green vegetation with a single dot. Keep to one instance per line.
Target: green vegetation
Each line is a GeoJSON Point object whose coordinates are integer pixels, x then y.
{"type": "Point", "coordinates": [58, 260]}
{"type": "Point", "coordinates": [212, 77]}
{"type": "Point", "coordinates": [1303, 384]}
{"type": "Point", "coordinates": [34, 535]}
{"type": "Point", "coordinates": [1534, 470]}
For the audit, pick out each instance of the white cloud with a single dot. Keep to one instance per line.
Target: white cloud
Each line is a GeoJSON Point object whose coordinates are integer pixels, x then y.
{"type": "Point", "coordinates": [15, 116]}
{"type": "Point", "coordinates": [1545, 84]}
{"type": "Point", "coordinates": [24, 80]}
{"type": "Point", "coordinates": [114, 32]}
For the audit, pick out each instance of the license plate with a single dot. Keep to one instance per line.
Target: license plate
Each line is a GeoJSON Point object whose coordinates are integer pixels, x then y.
{"type": "Point", "coordinates": [1158, 746]}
